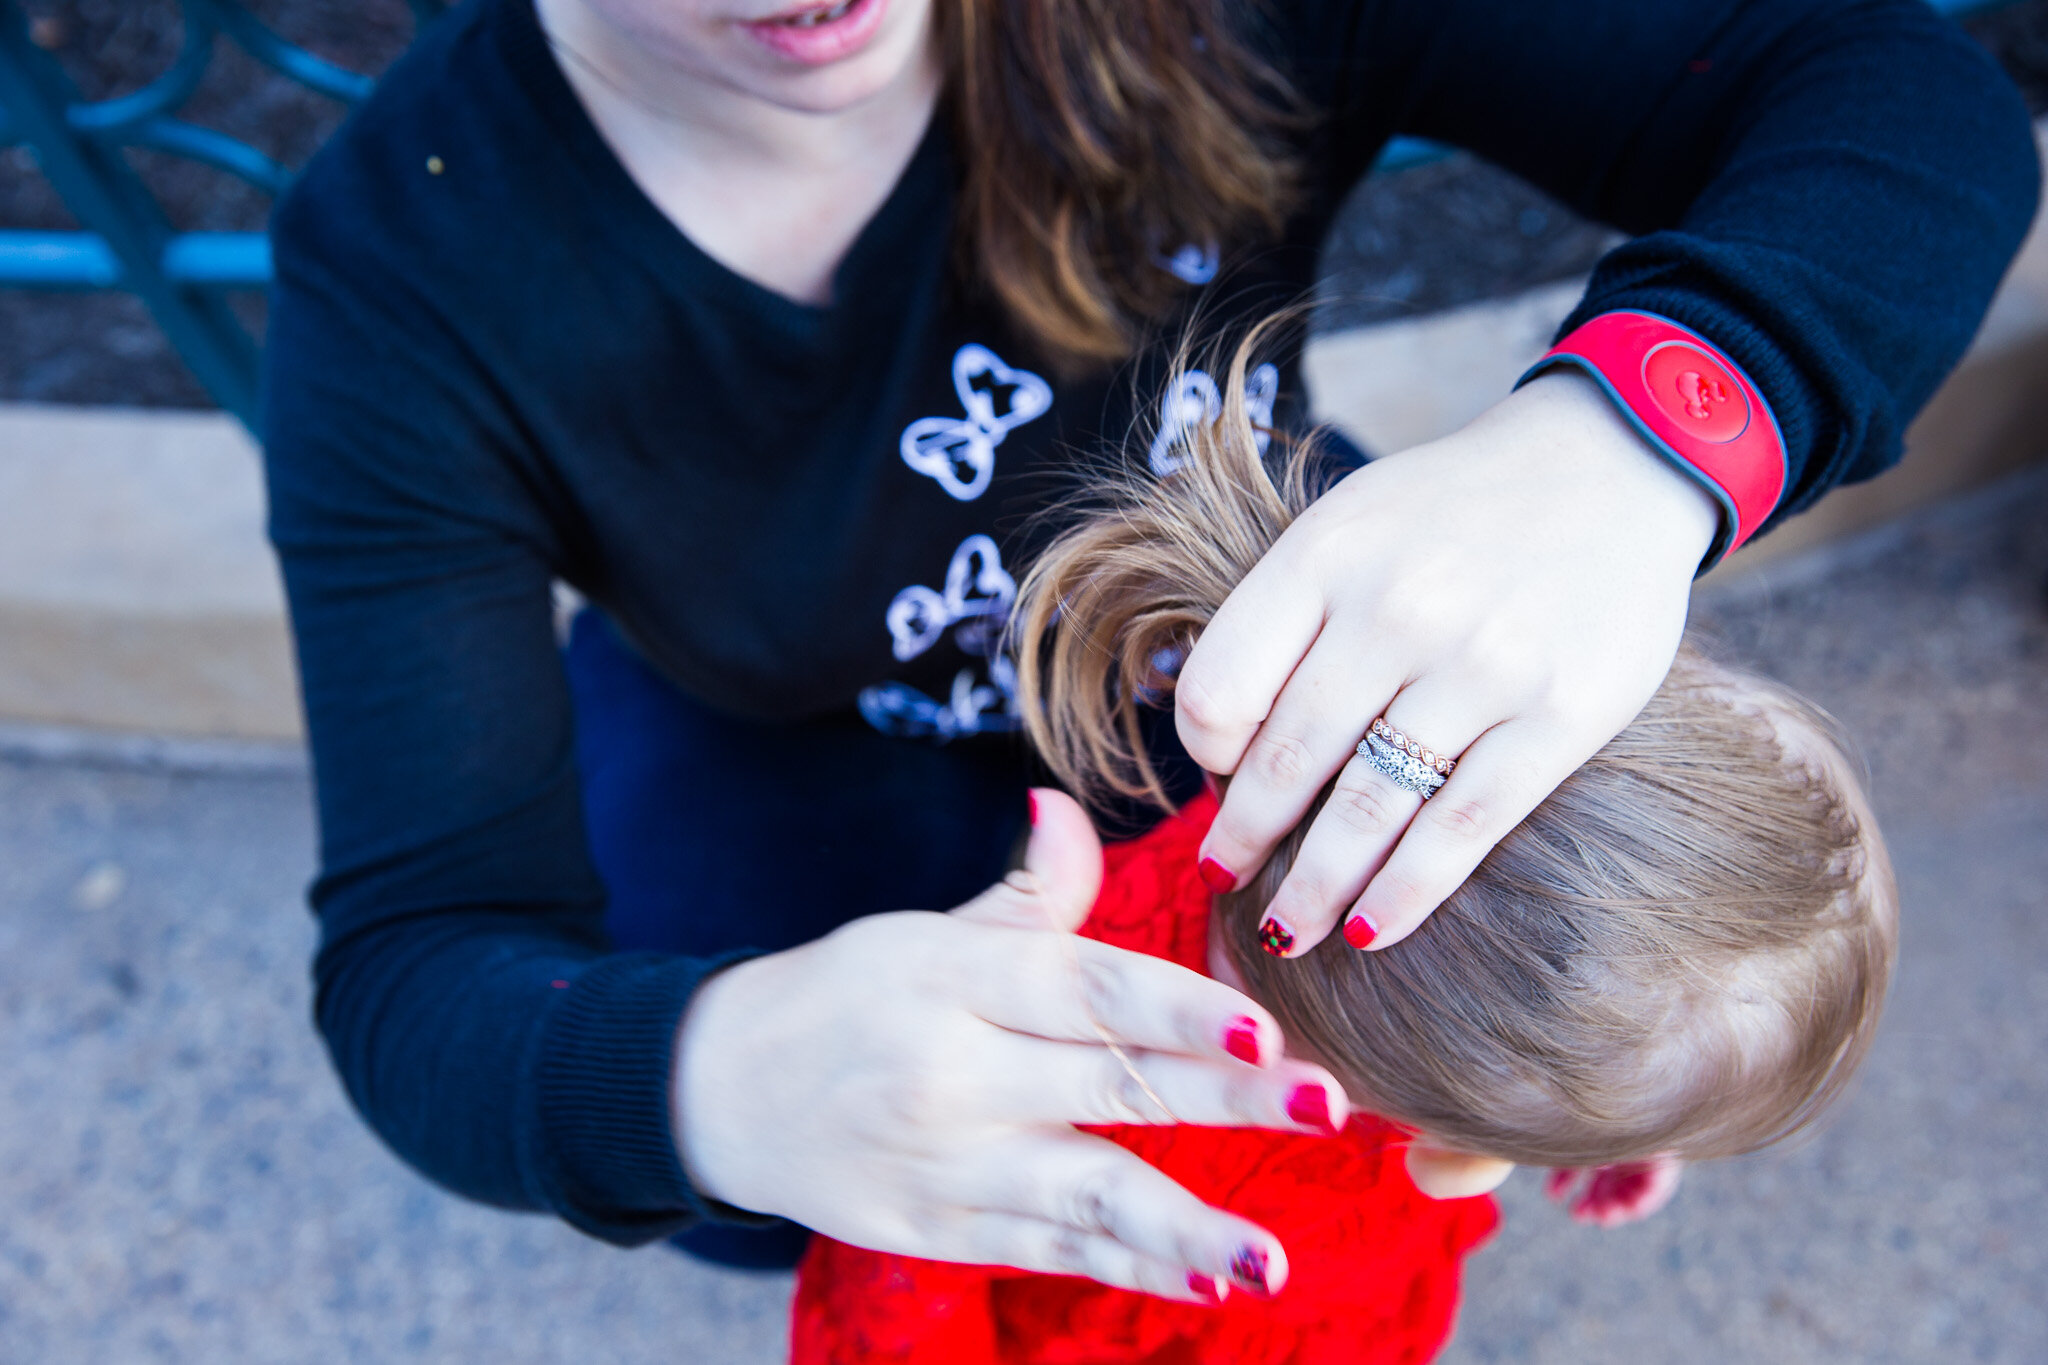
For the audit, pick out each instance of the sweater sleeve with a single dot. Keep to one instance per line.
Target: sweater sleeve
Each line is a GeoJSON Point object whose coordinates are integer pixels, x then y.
{"type": "Point", "coordinates": [463, 982]}
{"type": "Point", "coordinates": [1830, 190]}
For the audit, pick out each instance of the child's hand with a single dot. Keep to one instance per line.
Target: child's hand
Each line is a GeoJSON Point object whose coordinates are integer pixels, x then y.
{"type": "Point", "coordinates": [1612, 1195]}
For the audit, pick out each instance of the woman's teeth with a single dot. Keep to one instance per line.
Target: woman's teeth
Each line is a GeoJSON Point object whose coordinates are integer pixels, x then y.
{"type": "Point", "coordinates": [811, 18]}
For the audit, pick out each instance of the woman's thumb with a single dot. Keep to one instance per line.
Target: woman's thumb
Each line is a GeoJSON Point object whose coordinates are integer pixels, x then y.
{"type": "Point", "coordinates": [1062, 871]}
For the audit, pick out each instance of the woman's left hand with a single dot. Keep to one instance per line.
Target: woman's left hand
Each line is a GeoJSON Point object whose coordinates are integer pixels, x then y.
{"type": "Point", "coordinates": [1511, 594]}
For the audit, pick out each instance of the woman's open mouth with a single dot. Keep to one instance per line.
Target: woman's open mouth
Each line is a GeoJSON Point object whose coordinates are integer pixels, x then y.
{"type": "Point", "coordinates": [817, 34]}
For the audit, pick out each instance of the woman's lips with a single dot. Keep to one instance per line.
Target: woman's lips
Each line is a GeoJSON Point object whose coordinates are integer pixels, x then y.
{"type": "Point", "coordinates": [817, 34]}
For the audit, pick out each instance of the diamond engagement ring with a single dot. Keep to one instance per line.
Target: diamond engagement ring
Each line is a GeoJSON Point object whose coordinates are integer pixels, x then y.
{"type": "Point", "coordinates": [1404, 761]}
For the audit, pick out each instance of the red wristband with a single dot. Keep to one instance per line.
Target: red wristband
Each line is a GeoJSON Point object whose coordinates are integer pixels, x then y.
{"type": "Point", "coordinates": [1692, 403]}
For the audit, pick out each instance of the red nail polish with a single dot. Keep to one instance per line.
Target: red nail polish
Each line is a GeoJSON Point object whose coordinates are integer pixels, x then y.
{"type": "Point", "coordinates": [1248, 1268]}
{"type": "Point", "coordinates": [1216, 876]}
{"type": "Point", "coordinates": [1241, 1039]}
{"type": "Point", "coordinates": [1310, 1107]}
{"type": "Point", "coordinates": [1275, 937]}
{"type": "Point", "coordinates": [1032, 798]}
{"type": "Point", "coordinates": [1359, 932]}
{"type": "Point", "coordinates": [1205, 1287]}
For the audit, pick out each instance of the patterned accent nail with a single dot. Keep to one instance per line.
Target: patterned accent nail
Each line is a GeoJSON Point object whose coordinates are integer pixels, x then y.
{"type": "Point", "coordinates": [1275, 937]}
{"type": "Point", "coordinates": [1207, 1288]}
{"type": "Point", "coordinates": [1248, 1268]}
{"type": "Point", "coordinates": [1359, 932]}
{"type": "Point", "coordinates": [1309, 1106]}
{"type": "Point", "coordinates": [1241, 1039]}
{"type": "Point", "coordinates": [1217, 877]}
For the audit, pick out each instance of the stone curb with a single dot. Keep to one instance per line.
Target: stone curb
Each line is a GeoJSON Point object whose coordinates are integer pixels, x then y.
{"type": "Point", "coordinates": [73, 747]}
{"type": "Point", "coordinates": [137, 592]}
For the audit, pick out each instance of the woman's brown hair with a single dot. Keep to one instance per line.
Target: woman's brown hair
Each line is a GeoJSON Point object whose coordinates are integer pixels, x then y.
{"type": "Point", "coordinates": [1685, 949]}
{"type": "Point", "coordinates": [1098, 137]}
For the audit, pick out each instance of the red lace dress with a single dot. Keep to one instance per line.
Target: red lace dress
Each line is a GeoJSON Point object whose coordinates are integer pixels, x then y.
{"type": "Point", "coordinates": [1373, 1263]}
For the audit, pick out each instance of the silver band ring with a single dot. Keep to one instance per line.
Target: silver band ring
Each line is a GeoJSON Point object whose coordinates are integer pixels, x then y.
{"type": "Point", "coordinates": [1404, 762]}
{"type": "Point", "coordinates": [1409, 774]}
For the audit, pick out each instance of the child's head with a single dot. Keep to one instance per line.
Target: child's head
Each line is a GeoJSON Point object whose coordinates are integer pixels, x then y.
{"type": "Point", "coordinates": [1684, 950]}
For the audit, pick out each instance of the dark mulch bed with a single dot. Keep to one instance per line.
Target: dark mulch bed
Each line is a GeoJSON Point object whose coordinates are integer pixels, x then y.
{"type": "Point", "coordinates": [1427, 239]}
{"type": "Point", "coordinates": [103, 348]}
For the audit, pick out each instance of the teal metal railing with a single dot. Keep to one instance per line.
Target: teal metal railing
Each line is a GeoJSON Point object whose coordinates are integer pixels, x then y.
{"type": "Point", "coordinates": [128, 243]}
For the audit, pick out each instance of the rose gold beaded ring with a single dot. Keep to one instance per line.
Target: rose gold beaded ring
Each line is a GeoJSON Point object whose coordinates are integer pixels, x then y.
{"type": "Point", "coordinates": [1404, 761]}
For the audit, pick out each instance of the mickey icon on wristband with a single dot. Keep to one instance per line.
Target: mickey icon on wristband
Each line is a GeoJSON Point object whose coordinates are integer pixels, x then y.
{"type": "Point", "coordinates": [1691, 387]}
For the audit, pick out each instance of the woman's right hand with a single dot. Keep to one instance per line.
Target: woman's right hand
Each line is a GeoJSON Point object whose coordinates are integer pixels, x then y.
{"type": "Point", "coordinates": [910, 1083]}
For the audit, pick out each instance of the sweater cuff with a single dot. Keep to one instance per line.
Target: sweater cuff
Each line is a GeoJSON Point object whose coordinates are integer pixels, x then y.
{"type": "Point", "coordinates": [1772, 346]}
{"type": "Point", "coordinates": [608, 1161]}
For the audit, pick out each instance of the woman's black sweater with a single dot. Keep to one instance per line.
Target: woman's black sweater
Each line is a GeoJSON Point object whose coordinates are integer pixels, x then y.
{"type": "Point", "coordinates": [493, 364]}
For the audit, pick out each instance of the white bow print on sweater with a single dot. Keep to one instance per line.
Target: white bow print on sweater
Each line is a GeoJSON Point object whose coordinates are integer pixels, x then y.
{"type": "Point", "coordinates": [975, 606]}
{"type": "Point", "coordinates": [1194, 400]}
{"type": "Point", "coordinates": [977, 600]}
{"type": "Point", "coordinates": [974, 708]}
{"type": "Point", "coordinates": [960, 453]}
{"type": "Point", "coordinates": [1191, 264]}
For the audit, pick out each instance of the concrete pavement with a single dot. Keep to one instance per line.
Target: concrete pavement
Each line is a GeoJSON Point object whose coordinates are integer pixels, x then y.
{"type": "Point", "coordinates": [180, 1177]}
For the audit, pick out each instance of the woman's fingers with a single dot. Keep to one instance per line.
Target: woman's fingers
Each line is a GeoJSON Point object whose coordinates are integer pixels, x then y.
{"type": "Point", "coordinates": [1030, 1080]}
{"type": "Point", "coordinates": [1245, 656]}
{"type": "Point", "coordinates": [1073, 989]}
{"type": "Point", "coordinates": [1091, 1188]}
{"type": "Point", "coordinates": [1500, 779]}
{"type": "Point", "coordinates": [1055, 985]}
{"type": "Point", "coordinates": [1054, 1249]}
{"type": "Point", "coordinates": [1349, 840]}
{"type": "Point", "coordinates": [1061, 874]}
{"type": "Point", "coordinates": [1313, 729]}
{"type": "Point", "coordinates": [1366, 816]}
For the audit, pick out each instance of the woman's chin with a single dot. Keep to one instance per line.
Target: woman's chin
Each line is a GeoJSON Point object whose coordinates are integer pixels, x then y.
{"type": "Point", "coordinates": [822, 92]}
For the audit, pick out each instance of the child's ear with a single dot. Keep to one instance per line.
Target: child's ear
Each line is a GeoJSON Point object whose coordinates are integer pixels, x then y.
{"type": "Point", "coordinates": [1442, 1174]}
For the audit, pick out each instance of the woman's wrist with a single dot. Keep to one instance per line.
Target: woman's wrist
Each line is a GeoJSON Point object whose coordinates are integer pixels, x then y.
{"type": "Point", "coordinates": [700, 1094]}
{"type": "Point", "coordinates": [1591, 445]}
{"type": "Point", "coordinates": [1692, 405]}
